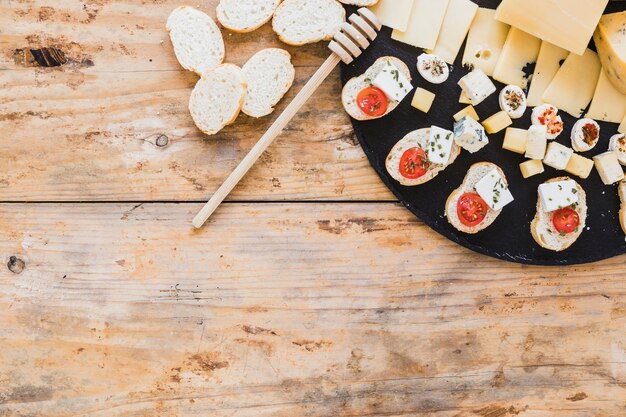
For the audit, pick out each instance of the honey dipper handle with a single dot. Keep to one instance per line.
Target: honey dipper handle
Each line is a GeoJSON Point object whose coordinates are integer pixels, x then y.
{"type": "Point", "coordinates": [272, 133]}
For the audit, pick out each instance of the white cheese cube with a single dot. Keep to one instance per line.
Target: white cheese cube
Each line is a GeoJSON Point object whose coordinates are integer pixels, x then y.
{"type": "Point", "coordinates": [557, 195]}
{"type": "Point", "coordinates": [558, 156]}
{"type": "Point", "coordinates": [537, 142]}
{"type": "Point", "coordinates": [609, 168]}
{"type": "Point", "coordinates": [477, 86]}
{"type": "Point", "coordinates": [494, 190]}
{"type": "Point", "coordinates": [440, 145]}
{"type": "Point", "coordinates": [470, 135]}
{"type": "Point", "coordinates": [393, 82]}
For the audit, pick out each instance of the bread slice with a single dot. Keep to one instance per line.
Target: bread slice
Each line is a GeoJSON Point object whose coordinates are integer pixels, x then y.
{"type": "Point", "coordinates": [360, 3]}
{"type": "Point", "coordinates": [197, 41]}
{"type": "Point", "coordinates": [544, 232]}
{"type": "Point", "coordinates": [270, 75]}
{"type": "Point", "coordinates": [217, 98]}
{"type": "Point", "coordinates": [298, 22]}
{"type": "Point", "coordinates": [357, 84]}
{"type": "Point", "coordinates": [245, 15]}
{"type": "Point", "coordinates": [622, 212]}
{"type": "Point", "coordinates": [475, 173]}
{"type": "Point", "coordinates": [417, 138]}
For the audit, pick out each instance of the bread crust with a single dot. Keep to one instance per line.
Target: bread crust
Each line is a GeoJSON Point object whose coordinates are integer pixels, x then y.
{"type": "Point", "coordinates": [225, 24]}
{"type": "Point", "coordinates": [291, 42]}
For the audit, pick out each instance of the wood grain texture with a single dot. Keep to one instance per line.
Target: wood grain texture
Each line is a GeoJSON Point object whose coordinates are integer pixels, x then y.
{"type": "Point", "coordinates": [87, 130]}
{"type": "Point", "coordinates": [293, 310]}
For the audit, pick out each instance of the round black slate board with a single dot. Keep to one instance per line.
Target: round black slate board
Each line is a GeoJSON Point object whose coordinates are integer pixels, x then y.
{"type": "Point", "coordinates": [509, 237]}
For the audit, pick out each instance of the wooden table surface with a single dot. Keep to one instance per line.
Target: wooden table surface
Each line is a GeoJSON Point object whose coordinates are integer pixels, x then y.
{"type": "Point", "coordinates": [310, 293]}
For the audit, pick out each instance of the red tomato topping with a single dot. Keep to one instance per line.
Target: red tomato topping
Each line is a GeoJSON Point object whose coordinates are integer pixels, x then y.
{"type": "Point", "coordinates": [471, 209]}
{"type": "Point", "coordinates": [590, 133]}
{"type": "Point", "coordinates": [549, 119]}
{"type": "Point", "coordinates": [372, 101]}
{"type": "Point", "coordinates": [414, 163]}
{"type": "Point", "coordinates": [566, 220]}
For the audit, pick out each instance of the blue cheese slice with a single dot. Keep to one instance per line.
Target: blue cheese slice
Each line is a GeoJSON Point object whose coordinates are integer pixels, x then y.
{"type": "Point", "coordinates": [558, 156]}
{"type": "Point", "coordinates": [440, 145]}
{"type": "Point", "coordinates": [477, 86]}
{"type": "Point", "coordinates": [494, 190]}
{"type": "Point", "coordinates": [393, 82]}
{"type": "Point", "coordinates": [470, 135]}
{"type": "Point", "coordinates": [558, 194]}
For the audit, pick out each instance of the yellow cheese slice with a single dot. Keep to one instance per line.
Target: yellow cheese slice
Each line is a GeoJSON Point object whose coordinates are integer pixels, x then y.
{"type": "Point", "coordinates": [568, 24]}
{"type": "Point", "coordinates": [608, 104]}
{"type": "Point", "coordinates": [424, 24]}
{"type": "Point", "coordinates": [456, 24]}
{"type": "Point", "coordinates": [393, 13]}
{"type": "Point", "coordinates": [548, 64]}
{"type": "Point", "coordinates": [485, 40]}
{"type": "Point", "coordinates": [610, 39]}
{"type": "Point", "coordinates": [573, 86]}
{"type": "Point", "coordinates": [520, 50]}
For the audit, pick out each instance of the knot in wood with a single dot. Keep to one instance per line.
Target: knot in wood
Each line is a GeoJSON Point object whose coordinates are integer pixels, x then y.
{"type": "Point", "coordinates": [162, 140]}
{"type": "Point", "coordinates": [16, 265]}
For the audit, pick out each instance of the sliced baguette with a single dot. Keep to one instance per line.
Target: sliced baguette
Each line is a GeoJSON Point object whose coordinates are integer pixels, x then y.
{"type": "Point", "coordinates": [360, 3]}
{"type": "Point", "coordinates": [298, 22]}
{"type": "Point", "coordinates": [270, 75]}
{"type": "Point", "coordinates": [357, 84]}
{"type": "Point", "coordinates": [197, 41]}
{"type": "Point", "coordinates": [622, 212]}
{"type": "Point", "coordinates": [217, 98]}
{"type": "Point", "coordinates": [416, 139]}
{"type": "Point", "coordinates": [245, 15]}
{"type": "Point", "coordinates": [475, 173]}
{"type": "Point", "coordinates": [543, 230]}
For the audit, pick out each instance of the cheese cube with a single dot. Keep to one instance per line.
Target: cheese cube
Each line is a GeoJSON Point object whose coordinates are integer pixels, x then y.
{"type": "Point", "coordinates": [470, 135]}
{"type": "Point", "coordinates": [497, 122]}
{"type": "Point", "coordinates": [468, 111]}
{"type": "Point", "coordinates": [609, 168]}
{"type": "Point", "coordinates": [393, 82]}
{"type": "Point", "coordinates": [537, 142]}
{"type": "Point", "coordinates": [557, 155]}
{"type": "Point", "coordinates": [531, 168]}
{"type": "Point", "coordinates": [579, 166]}
{"type": "Point", "coordinates": [515, 140]}
{"type": "Point", "coordinates": [464, 99]}
{"type": "Point", "coordinates": [494, 190]}
{"type": "Point", "coordinates": [622, 127]}
{"type": "Point", "coordinates": [423, 100]}
{"type": "Point", "coordinates": [439, 145]}
{"type": "Point", "coordinates": [394, 13]}
{"type": "Point", "coordinates": [558, 194]}
{"type": "Point", "coordinates": [477, 86]}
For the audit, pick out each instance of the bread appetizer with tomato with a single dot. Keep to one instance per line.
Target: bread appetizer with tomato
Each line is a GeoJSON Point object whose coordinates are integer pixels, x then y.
{"type": "Point", "coordinates": [478, 202]}
{"type": "Point", "coordinates": [379, 91]}
{"type": "Point", "coordinates": [421, 155]}
{"type": "Point", "coordinates": [622, 212]}
{"type": "Point", "coordinates": [561, 214]}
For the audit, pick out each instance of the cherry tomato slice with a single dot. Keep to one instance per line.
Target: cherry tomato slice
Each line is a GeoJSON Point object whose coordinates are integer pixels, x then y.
{"type": "Point", "coordinates": [566, 220]}
{"type": "Point", "coordinates": [471, 209]}
{"type": "Point", "coordinates": [414, 163]}
{"type": "Point", "coordinates": [372, 101]}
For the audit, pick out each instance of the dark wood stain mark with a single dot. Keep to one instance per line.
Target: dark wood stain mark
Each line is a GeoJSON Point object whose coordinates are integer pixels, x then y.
{"type": "Point", "coordinates": [354, 363]}
{"type": "Point", "coordinates": [27, 394]}
{"type": "Point", "coordinates": [257, 330]}
{"type": "Point", "coordinates": [48, 56]}
{"type": "Point", "coordinates": [498, 411]}
{"type": "Point", "coordinates": [579, 396]}
{"type": "Point", "coordinates": [206, 363]}
{"type": "Point", "coordinates": [337, 227]}
{"type": "Point", "coordinates": [261, 345]}
{"type": "Point", "coordinates": [16, 265]}
{"type": "Point", "coordinates": [311, 345]}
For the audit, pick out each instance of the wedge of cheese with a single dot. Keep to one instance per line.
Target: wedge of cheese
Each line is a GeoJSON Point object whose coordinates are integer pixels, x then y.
{"type": "Point", "coordinates": [548, 64]}
{"type": "Point", "coordinates": [520, 50]}
{"type": "Point", "coordinates": [424, 24]}
{"type": "Point", "coordinates": [610, 40]}
{"type": "Point", "coordinates": [456, 24]}
{"type": "Point", "coordinates": [568, 24]}
{"type": "Point", "coordinates": [574, 84]}
{"type": "Point", "coordinates": [485, 41]}
{"type": "Point", "coordinates": [608, 104]}
{"type": "Point", "coordinates": [393, 13]}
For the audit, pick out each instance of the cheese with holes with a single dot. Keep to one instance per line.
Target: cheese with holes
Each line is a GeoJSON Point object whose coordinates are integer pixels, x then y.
{"type": "Point", "coordinates": [608, 104]}
{"type": "Point", "coordinates": [485, 41]}
{"type": "Point", "coordinates": [573, 86]}
{"type": "Point", "coordinates": [610, 40]}
{"type": "Point", "coordinates": [548, 64]}
{"type": "Point", "coordinates": [515, 140]}
{"type": "Point", "coordinates": [497, 122]}
{"type": "Point", "coordinates": [580, 166]}
{"type": "Point", "coordinates": [531, 168]}
{"type": "Point", "coordinates": [568, 24]}
{"type": "Point", "coordinates": [609, 168]}
{"type": "Point", "coordinates": [393, 13]}
{"type": "Point", "coordinates": [456, 24]}
{"type": "Point", "coordinates": [520, 50]}
{"type": "Point", "coordinates": [468, 111]}
{"type": "Point", "coordinates": [424, 24]}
